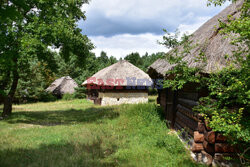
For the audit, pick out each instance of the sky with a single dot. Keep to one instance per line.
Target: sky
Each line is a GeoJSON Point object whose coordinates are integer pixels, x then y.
{"type": "Point", "coordinates": [120, 27]}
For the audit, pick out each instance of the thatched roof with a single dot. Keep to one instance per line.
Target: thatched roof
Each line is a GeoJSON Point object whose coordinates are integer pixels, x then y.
{"type": "Point", "coordinates": [209, 41]}
{"type": "Point", "coordinates": [121, 70]}
{"type": "Point", "coordinates": [62, 86]}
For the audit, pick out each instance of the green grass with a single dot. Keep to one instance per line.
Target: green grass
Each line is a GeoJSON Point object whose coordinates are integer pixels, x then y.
{"type": "Point", "coordinates": [78, 133]}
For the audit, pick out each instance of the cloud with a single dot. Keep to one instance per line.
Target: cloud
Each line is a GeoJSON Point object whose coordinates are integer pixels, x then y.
{"type": "Point", "coordinates": [190, 28]}
{"type": "Point", "coordinates": [121, 45]}
{"type": "Point", "coordinates": [114, 17]}
{"type": "Point", "coordinates": [120, 27]}
{"type": "Point", "coordinates": [124, 44]}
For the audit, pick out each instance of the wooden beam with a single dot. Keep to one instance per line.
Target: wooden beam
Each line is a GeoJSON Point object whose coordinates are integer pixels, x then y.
{"type": "Point", "coordinates": [184, 126]}
{"type": "Point", "coordinates": [188, 95]}
{"type": "Point", "coordinates": [187, 121]}
{"type": "Point", "coordinates": [186, 111]}
{"type": "Point", "coordinates": [187, 103]}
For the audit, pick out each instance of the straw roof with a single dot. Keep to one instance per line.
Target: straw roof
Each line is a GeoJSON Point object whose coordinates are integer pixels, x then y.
{"type": "Point", "coordinates": [121, 70]}
{"type": "Point", "coordinates": [62, 86]}
{"type": "Point", "coordinates": [207, 40]}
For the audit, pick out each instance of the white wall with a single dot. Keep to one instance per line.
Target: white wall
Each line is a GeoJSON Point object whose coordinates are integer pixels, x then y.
{"type": "Point", "coordinates": [123, 98]}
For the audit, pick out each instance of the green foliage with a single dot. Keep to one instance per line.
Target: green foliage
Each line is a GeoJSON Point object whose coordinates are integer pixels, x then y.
{"type": "Point", "coordinates": [143, 62]}
{"type": "Point", "coordinates": [30, 33]}
{"type": "Point", "coordinates": [80, 93]}
{"type": "Point", "coordinates": [152, 91]}
{"type": "Point", "coordinates": [29, 29]}
{"type": "Point", "coordinates": [228, 104]}
{"type": "Point", "coordinates": [46, 97]}
{"type": "Point", "coordinates": [68, 97]}
{"type": "Point", "coordinates": [227, 107]}
{"type": "Point", "coordinates": [181, 74]}
{"type": "Point", "coordinates": [93, 64]}
{"type": "Point", "coordinates": [134, 58]}
{"type": "Point", "coordinates": [32, 85]}
{"type": "Point", "coordinates": [104, 61]}
{"type": "Point", "coordinates": [218, 2]}
{"type": "Point", "coordinates": [170, 40]}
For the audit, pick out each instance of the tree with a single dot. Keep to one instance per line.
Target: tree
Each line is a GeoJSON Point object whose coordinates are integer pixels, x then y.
{"type": "Point", "coordinates": [150, 59]}
{"type": "Point", "coordinates": [103, 60]}
{"type": "Point", "coordinates": [28, 31]}
{"type": "Point", "coordinates": [145, 61]}
{"type": "Point", "coordinates": [134, 58]}
{"type": "Point", "coordinates": [112, 60]}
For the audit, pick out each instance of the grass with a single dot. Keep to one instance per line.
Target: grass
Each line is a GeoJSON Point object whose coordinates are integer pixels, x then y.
{"type": "Point", "coordinates": [77, 133]}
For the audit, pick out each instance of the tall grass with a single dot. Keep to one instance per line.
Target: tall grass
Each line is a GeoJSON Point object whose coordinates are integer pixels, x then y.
{"type": "Point", "coordinates": [77, 133]}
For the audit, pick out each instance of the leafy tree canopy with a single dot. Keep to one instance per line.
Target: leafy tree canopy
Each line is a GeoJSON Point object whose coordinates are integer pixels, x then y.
{"type": "Point", "coordinates": [29, 31]}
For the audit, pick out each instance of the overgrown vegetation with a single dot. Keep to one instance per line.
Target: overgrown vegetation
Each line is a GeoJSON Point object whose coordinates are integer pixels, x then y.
{"type": "Point", "coordinates": [78, 133]}
{"type": "Point", "coordinates": [227, 106]}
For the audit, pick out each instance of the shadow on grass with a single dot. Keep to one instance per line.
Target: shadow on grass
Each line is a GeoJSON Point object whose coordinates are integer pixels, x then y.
{"type": "Point", "coordinates": [53, 155]}
{"type": "Point", "coordinates": [161, 113]}
{"type": "Point", "coordinates": [65, 117]}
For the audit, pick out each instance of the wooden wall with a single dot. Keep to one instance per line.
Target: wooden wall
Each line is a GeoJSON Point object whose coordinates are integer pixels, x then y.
{"type": "Point", "coordinates": [185, 118]}
{"type": "Point", "coordinates": [209, 147]}
{"type": "Point", "coordinates": [178, 107]}
{"type": "Point", "coordinates": [162, 96]}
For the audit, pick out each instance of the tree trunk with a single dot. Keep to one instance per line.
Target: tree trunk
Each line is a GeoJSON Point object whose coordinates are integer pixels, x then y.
{"type": "Point", "coordinates": [4, 83]}
{"type": "Point", "coordinates": [7, 106]}
{"type": "Point", "coordinates": [7, 110]}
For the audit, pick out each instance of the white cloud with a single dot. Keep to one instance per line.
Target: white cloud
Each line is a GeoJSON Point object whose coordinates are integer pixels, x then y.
{"type": "Point", "coordinates": [120, 27]}
{"type": "Point", "coordinates": [124, 44]}
{"type": "Point", "coordinates": [114, 17]}
{"type": "Point", "coordinates": [190, 28]}
{"type": "Point", "coordinates": [121, 45]}
{"type": "Point", "coordinates": [142, 8]}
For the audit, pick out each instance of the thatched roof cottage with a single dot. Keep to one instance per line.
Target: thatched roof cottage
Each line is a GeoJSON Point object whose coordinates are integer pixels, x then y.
{"type": "Point", "coordinates": [117, 84]}
{"type": "Point", "coordinates": [209, 41]}
{"type": "Point", "coordinates": [177, 105]}
{"type": "Point", "coordinates": [61, 86]}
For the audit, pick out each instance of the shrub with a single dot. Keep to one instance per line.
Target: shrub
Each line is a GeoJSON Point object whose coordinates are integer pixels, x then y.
{"type": "Point", "coordinates": [68, 96]}
{"type": "Point", "coordinates": [80, 93]}
{"type": "Point", "coordinates": [152, 91]}
{"type": "Point", "coordinates": [46, 97]}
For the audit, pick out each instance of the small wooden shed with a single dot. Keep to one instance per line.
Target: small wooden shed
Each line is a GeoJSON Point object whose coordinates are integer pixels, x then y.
{"type": "Point", "coordinates": [117, 84]}
{"type": "Point", "coordinates": [177, 105]}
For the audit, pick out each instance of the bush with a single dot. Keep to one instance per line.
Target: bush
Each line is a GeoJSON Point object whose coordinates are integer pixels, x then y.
{"type": "Point", "coordinates": [68, 96]}
{"type": "Point", "coordinates": [152, 91]}
{"type": "Point", "coordinates": [80, 93]}
{"type": "Point", "coordinates": [46, 97]}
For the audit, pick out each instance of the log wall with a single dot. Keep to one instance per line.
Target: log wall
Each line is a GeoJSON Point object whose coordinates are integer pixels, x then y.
{"type": "Point", "coordinates": [207, 145]}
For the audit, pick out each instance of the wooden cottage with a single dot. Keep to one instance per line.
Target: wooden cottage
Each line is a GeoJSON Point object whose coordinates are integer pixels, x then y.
{"type": "Point", "coordinates": [61, 86]}
{"type": "Point", "coordinates": [177, 105]}
{"type": "Point", "coordinates": [118, 84]}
